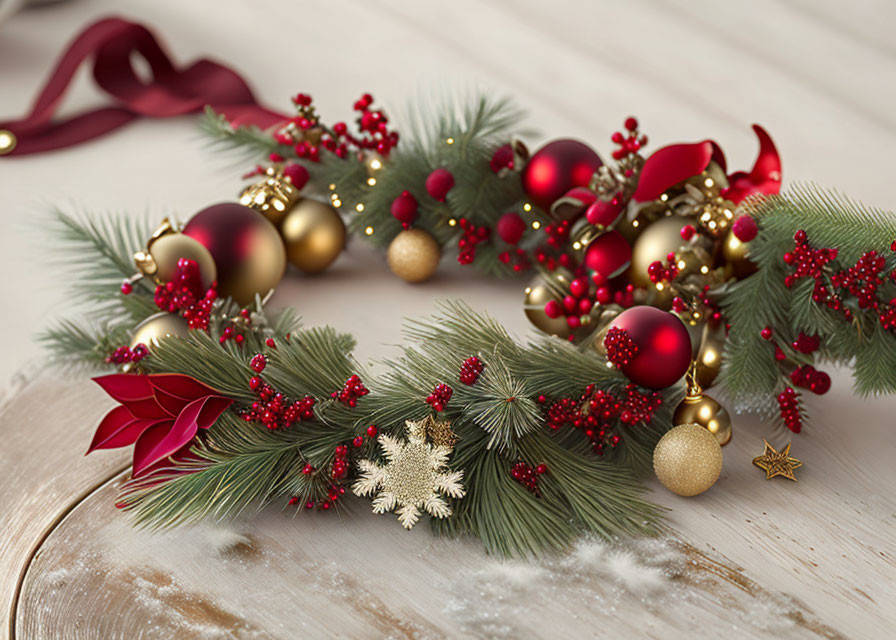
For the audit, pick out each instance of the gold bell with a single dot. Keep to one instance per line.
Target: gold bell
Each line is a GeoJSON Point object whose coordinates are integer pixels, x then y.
{"type": "Point", "coordinates": [273, 197]}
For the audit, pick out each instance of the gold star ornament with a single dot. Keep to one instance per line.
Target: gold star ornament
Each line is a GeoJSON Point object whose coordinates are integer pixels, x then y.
{"type": "Point", "coordinates": [777, 463]}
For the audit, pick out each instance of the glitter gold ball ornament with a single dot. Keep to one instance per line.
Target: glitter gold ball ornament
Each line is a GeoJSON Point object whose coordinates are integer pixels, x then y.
{"type": "Point", "coordinates": [272, 197]}
{"type": "Point", "coordinates": [314, 235]}
{"type": "Point", "coordinates": [734, 253]}
{"type": "Point", "coordinates": [687, 460]}
{"type": "Point", "coordinates": [656, 241]}
{"type": "Point", "coordinates": [414, 255]}
{"type": "Point", "coordinates": [246, 247]}
{"type": "Point", "coordinates": [165, 248]}
{"type": "Point", "coordinates": [157, 326]}
{"type": "Point", "coordinates": [700, 409]}
{"type": "Point", "coordinates": [538, 294]}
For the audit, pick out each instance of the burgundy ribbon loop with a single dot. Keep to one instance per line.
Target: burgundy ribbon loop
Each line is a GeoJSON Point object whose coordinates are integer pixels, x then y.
{"type": "Point", "coordinates": [171, 92]}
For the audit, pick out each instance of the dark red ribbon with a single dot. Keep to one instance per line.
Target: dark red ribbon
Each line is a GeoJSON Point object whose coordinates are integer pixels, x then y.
{"type": "Point", "coordinates": [171, 92]}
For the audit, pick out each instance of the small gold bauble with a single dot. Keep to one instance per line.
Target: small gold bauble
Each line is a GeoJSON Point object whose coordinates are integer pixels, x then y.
{"type": "Point", "coordinates": [687, 460]}
{"type": "Point", "coordinates": [156, 326]}
{"type": "Point", "coordinates": [706, 412]}
{"type": "Point", "coordinates": [414, 255]}
{"type": "Point", "coordinates": [314, 235]}
{"type": "Point", "coordinates": [160, 259]}
{"type": "Point", "coordinates": [656, 241]}
{"type": "Point", "coordinates": [734, 253]}
{"type": "Point", "coordinates": [709, 352]}
{"type": "Point", "coordinates": [8, 142]}
{"type": "Point", "coordinates": [272, 197]}
{"type": "Point", "coordinates": [539, 293]}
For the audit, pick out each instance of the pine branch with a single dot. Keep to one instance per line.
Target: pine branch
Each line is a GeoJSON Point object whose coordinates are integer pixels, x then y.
{"type": "Point", "coordinates": [251, 141]}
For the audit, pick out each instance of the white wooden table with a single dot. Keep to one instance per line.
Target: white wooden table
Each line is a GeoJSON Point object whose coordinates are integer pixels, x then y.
{"type": "Point", "coordinates": [749, 559]}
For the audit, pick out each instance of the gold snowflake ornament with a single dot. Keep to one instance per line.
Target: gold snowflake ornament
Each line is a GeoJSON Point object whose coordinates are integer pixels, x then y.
{"type": "Point", "coordinates": [414, 478]}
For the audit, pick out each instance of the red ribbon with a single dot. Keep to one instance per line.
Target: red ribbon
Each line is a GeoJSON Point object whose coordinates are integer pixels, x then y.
{"type": "Point", "coordinates": [171, 92]}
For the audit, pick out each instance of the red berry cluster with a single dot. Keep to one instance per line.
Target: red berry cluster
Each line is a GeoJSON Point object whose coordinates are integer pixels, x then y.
{"type": "Point", "coordinates": [440, 396]}
{"type": "Point", "coordinates": [574, 306]}
{"type": "Point", "coordinates": [470, 370]}
{"type": "Point", "coordinates": [596, 410]}
{"type": "Point", "coordinates": [806, 261]}
{"type": "Point", "coordinates": [339, 469]}
{"type": "Point", "coordinates": [502, 159]}
{"type": "Point", "coordinates": [527, 476]}
{"type": "Point", "coordinates": [351, 391]}
{"type": "Point", "coordinates": [621, 349]}
{"type": "Point", "coordinates": [517, 258]}
{"type": "Point", "coordinates": [808, 377]}
{"type": "Point", "coordinates": [274, 410]}
{"type": "Point", "coordinates": [657, 272]}
{"type": "Point", "coordinates": [184, 294]}
{"type": "Point", "coordinates": [258, 363]}
{"type": "Point", "coordinates": [472, 236]}
{"type": "Point", "coordinates": [233, 332]}
{"type": "Point", "coordinates": [629, 142]}
{"type": "Point", "coordinates": [789, 404]}
{"type": "Point", "coordinates": [123, 355]}
{"type": "Point", "coordinates": [806, 343]}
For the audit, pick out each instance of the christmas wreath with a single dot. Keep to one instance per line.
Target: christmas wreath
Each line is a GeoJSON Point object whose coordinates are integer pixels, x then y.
{"type": "Point", "coordinates": [647, 270]}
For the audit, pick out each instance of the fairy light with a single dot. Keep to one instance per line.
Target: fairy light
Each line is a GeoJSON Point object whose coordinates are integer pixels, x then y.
{"type": "Point", "coordinates": [371, 181]}
{"type": "Point", "coordinates": [359, 207]}
{"type": "Point", "coordinates": [452, 222]}
{"type": "Point", "coordinates": [536, 225]}
{"type": "Point", "coordinates": [449, 140]}
{"type": "Point", "coordinates": [682, 264]}
{"type": "Point", "coordinates": [527, 207]}
{"type": "Point", "coordinates": [376, 164]}
{"type": "Point", "coordinates": [528, 290]}
{"type": "Point", "coordinates": [368, 231]}
{"type": "Point", "coordinates": [576, 245]}
{"type": "Point", "coordinates": [664, 197]}
{"type": "Point", "coordinates": [708, 182]}
{"type": "Point", "coordinates": [659, 286]}
{"type": "Point", "coordinates": [337, 202]}
{"type": "Point", "coordinates": [332, 187]}
{"type": "Point", "coordinates": [704, 269]}
{"type": "Point", "coordinates": [635, 223]}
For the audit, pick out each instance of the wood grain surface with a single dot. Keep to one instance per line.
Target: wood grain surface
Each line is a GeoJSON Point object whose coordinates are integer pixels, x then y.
{"type": "Point", "coordinates": [750, 558]}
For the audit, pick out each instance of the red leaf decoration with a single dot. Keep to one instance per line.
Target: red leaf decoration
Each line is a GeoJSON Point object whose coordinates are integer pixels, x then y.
{"type": "Point", "coordinates": [764, 178]}
{"type": "Point", "coordinates": [118, 429]}
{"type": "Point", "coordinates": [124, 387]}
{"type": "Point", "coordinates": [181, 386]}
{"type": "Point", "coordinates": [670, 165]}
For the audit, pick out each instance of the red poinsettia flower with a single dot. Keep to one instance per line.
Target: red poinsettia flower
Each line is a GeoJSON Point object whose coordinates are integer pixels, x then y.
{"type": "Point", "coordinates": [670, 165]}
{"type": "Point", "coordinates": [159, 414]}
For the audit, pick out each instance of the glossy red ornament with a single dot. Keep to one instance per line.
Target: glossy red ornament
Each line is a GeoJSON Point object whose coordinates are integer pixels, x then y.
{"type": "Point", "coordinates": [249, 255]}
{"type": "Point", "coordinates": [404, 208]}
{"type": "Point", "coordinates": [556, 168]}
{"type": "Point", "coordinates": [511, 227]}
{"type": "Point", "coordinates": [439, 183]}
{"type": "Point", "coordinates": [663, 346]}
{"type": "Point", "coordinates": [608, 254]}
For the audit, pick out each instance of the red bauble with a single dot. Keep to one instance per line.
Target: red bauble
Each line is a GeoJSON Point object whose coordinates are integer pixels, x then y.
{"type": "Point", "coordinates": [556, 168]}
{"type": "Point", "coordinates": [404, 208]}
{"type": "Point", "coordinates": [511, 227]}
{"type": "Point", "coordinates": [439, 183]}
{"type": "Point", "coordinates": [246, 247]}
{"type": "Point", "coordinates": [745, 228]}
{"type": "Point", "coordinates": [602, 213]}
{"type": "Point", "coordinates": [608, 254]}
{"type": "Point", "coordinates": [663, 346]}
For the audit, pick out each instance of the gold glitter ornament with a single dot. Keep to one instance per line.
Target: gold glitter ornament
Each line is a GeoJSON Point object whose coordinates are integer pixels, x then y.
{"type": "Point", "coordinates": [687, 460]}
{"type": "Point", "coordinates": [414, 255]}
{"type": "Point", "coordinates": [413, 479]}
{"type": "Point", "coordinates": [777, 463]}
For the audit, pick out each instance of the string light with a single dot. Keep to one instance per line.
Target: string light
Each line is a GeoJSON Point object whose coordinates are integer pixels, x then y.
{"type": "Point", "coordinates": [704, 269]}
{"type": "Point", "coordinates": [708, 182]}
{"type": "Point", "coordinates": [371, 181]}
{"type": "Point", "coordinates": [359, 207]}
{"type": "Point", "coordinates": [527, 207]}
{"type": "Point", "coordinates": [368, 231]}
{"type": "Point", "coordinates": [376, 164]}
{"type": "Point", "coordinates": [536, 225]}
{"type": "Point", "coordinates": [664, 197]}
{"type": "Point", "coordinates": [452, 222]}
{"type": "Point", "coordinates": [576, 245]}
{"type": "Point", "coordinates": [337, 202]}
{"type": "Point", "coordinates": [332, 187]}
{"type": "Point", "coordinates": [635, 223]}
{"type": "Point", "coordinates": [449, 140]}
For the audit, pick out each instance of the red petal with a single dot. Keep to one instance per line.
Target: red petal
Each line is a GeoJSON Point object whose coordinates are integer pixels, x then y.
{"type": "Point", "coordinates": [148, 409]}
{"type": "Point", "coordinates": [118, 429]}
{"type": "Point", "coordinates": [181, 386]}
{"type": "Point", "coordinates": [670, 165]}
{"type": "Point", "coordinates": [173, 405]}
{"type": "Point", "coordinates": [125, 387]}
{"type": "Point", "coordinates": [156, 444]}
{"type": "Point", "coordinates": [764, 178]}
{"type": "Point", "coordinates": [212, 409]}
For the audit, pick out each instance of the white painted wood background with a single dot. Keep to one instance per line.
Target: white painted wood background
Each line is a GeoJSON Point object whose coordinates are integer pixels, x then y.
{"type": "Point", "coordinates": [749, 559]}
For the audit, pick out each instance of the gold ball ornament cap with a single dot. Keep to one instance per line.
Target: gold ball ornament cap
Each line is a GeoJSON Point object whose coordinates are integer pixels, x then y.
{"type": "Point", "coordinates": [687, 460]}
{"type": "Point", "coordinates": [414, 255]}
{"type": "Point", "coordinates": [314, 235]}
{"type": "Point", "coordinates": [158, 326]}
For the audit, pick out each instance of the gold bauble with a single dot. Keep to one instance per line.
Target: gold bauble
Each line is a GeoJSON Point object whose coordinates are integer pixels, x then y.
{"type": "Point", "coordinates": [539, 293]}
{"type": "Point", "coordinates": [706, 412]}
{"type": "Point", "coordinates": [734, 253]}
{"type": "Point", "coordinates": [657, 240]}
{"type": "Point", "coordinates": [160, 259]}
{"type": "Point", "coordinates": [603, 319]}
{"type": "Point", "coordinates": [414, 255]}
{"type": "Point", "coordinates": [687, 460]}
{"type": "Point", "coordinates": [314, 235]}
{"type": "Point", "coordinates": [272, 197]}
{"type": "Point", "coordinates": [156, 326]}
{"type": "Point", "coordinates": [709, 352]}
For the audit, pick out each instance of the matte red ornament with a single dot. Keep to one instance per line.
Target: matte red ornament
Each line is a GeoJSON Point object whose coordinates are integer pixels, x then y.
{"type": "Point", "coordinates": [663, 346]}
{"type": "Point", "coordinates": [603, 213]}
{"type": "Point", "coordinates": [511, 227]}
{"type": "Point", "coordinates": [745, 228]}
{"type": "Point", "coordinates": [404, 208]}
{"type": "Point", "coordinates": [608, 255]}
{"type": "Point", "coordinates": [556, 168]}
{"type": "Point", "coordinates": [296, 174]}
{"type": "Point", "coordinates": [439, 183]}
{"type": "Point", "coordinates": [159, 414]}
{"type": "Point", "coordinates": [502, 158]}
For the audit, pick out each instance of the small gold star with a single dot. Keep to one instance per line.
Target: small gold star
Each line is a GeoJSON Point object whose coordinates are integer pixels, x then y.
{"type": "Point", "coordinates": [777, 463]}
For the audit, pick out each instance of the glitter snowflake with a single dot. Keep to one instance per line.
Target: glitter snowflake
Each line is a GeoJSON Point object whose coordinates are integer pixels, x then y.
{"type": "Point", "coordinates": [413, 478]}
